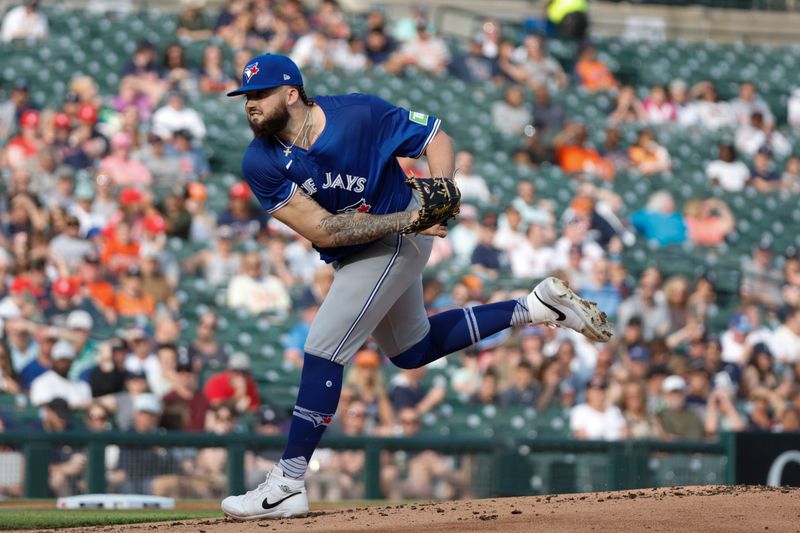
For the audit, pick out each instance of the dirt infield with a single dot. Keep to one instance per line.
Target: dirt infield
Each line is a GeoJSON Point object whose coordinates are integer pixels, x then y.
{"type": "Point", "coordinates": [706, 509]}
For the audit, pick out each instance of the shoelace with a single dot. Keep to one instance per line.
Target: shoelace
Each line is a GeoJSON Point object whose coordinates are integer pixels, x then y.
{"type": "Point", "coordinates": [250, 494]}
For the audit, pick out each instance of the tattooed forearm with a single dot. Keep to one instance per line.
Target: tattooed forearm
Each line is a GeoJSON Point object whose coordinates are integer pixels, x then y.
{"type": "Point", "coordinates": [357, 228]}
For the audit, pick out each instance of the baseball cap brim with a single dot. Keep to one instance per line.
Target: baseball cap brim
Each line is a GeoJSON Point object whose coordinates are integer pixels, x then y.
{"type": "Point", "coordinates": [251, 88]}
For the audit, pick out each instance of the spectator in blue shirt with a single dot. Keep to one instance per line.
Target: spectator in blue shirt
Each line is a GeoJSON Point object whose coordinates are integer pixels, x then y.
{"type": "Point", "coordinates": [659, 221]}
{"type": "Point", "coordinates": [47, 337]}
{"type": "Point", "coordinates": [296, 337]}
{"type": "Point", "coordinates": [598, 288]}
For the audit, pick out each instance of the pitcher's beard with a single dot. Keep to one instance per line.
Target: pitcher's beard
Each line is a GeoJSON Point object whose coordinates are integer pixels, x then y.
{"type": "Point", "coordinates": [272, 125]}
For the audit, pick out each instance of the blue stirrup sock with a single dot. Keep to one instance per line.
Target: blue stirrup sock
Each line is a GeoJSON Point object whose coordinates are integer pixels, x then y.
{"type": "Point", "coordinates": [456, 329]}
{"type": "Point", "coordinates": [317, 399]}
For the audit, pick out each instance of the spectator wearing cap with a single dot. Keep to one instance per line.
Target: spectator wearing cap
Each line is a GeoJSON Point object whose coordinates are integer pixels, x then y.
{"type": "Point", "coordinates": [131, 300]}
{"type": "Point", "coordinates": [185, 406]}
{"type": "Point", "coordinates": [256, 291]}
{"type": "Point", "coordinates": [25, 146]}
{"type": "Point", "coordinates": [78, 331]}
{"type": "Point", "coordinates": [55, 384]}
{"type": "Point", "coordinates": [139, 467]}
{"type": "Point", "coordinates": [234, 385]}
{"type": "Point", "coordinates": [109, 374]}
{"type": "Point", "coordinates": [24, 23]}
{"type": "Point", "coordinates": [55, 418]}
{"type": "Point", "coordinates": [121, 168]}
{"type": "Point", "coordinates": [142, 358]}
{"type": "Point", "coordinates": [595, 419]}
{"type": "Point", "coordinates": [734, 341]}
{"type": "Point", "coordinates": [120, 404]}
{"type": "Point", "coordinates": [62, 301]}
{"type": "Point", "coordinates": [241, 215]}
{"type": "Point", "coordinates": [365, 379]}
{"type": "Point", "coordinates": [175, 116]}
{"type": "Point", "coordinates": [46, 338]}
{"type": "Point", "coordinates": [761, 278]}
{"type": "Point", "coordinates": [676, 421]}
{"type": "Point", "coordinates": [763, 174]}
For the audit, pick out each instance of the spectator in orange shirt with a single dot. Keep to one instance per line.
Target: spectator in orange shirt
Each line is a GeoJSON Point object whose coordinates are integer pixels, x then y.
{"type": "Point", "coordinates": [90, 277]}
{"type": "Point", "coordinates": [649, 157]}
{"type": "Point", "coordinates": [593, 73]}
{"type": "Point", "coordinates": [120, 250]}
{"type": "Point", "coordinates": [575, 155]}
{"type": "Point", "coordinates": [130, 300]}
{"type": "Point", "coordinates": [708, 221]}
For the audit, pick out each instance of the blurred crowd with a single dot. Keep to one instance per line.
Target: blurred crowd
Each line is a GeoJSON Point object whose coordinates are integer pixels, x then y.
{"type": "Point", "coordinates": [98, 186]}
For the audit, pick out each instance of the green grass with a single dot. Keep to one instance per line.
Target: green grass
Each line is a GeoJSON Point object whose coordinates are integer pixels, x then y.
{"type": "Point", "coordinates": [60, 518]}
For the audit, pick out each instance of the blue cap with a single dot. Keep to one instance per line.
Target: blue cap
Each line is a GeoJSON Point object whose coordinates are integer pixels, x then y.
{"type": "Point", "coordinates": [268, 71]}
{"type": "Point", "coordinates": [742, 323]}
{"type": "Point", "coordinates": [639, 353]}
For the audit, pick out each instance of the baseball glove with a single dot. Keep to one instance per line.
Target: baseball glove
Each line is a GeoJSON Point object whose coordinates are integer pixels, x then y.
{"type": "Point", "coordinates": [439, 199]}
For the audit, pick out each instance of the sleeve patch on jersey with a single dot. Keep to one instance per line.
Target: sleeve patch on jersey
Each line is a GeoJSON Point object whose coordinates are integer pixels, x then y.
{"type": "Point", "coordinates": [419, 118]}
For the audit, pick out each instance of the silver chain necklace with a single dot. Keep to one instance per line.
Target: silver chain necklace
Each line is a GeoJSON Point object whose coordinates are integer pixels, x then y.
{"type": "Point", "coordinates": [308, 123]}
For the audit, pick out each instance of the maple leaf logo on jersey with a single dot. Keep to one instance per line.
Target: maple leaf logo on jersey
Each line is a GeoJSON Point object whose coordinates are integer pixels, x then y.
{"type": "Point", "coordinates": [251, 70]}
{"type": "Point", "coordinates": [360, 206]}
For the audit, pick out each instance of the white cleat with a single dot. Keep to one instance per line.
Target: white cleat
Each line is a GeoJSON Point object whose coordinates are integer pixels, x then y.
{"type": "Point", "coordinates": [553, 302]}
{"type": "Point", "coordinates": [277, 497]}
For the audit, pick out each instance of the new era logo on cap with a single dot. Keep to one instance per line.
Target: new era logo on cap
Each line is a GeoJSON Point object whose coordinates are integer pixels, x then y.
{"type": "Point", "coordinates": [286, 77]}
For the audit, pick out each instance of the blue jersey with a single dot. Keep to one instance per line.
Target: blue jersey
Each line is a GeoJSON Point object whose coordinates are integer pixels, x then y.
{"type": "Point", "coordinates": [352, 166]}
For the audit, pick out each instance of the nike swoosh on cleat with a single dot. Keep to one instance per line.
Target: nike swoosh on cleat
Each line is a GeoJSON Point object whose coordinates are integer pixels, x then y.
{"type": "Point", "coordinates": [559, 315]}
{"type": "Point", "coordinates": [266, 505]}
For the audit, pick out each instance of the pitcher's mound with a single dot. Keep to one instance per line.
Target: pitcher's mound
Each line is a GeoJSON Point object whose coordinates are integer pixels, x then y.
{"type": "Point", "coordinates": [704, 509]}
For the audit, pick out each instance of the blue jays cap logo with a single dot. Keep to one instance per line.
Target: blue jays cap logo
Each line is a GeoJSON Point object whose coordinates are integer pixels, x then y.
{"type": "Point", "coordinates": [251, 70]}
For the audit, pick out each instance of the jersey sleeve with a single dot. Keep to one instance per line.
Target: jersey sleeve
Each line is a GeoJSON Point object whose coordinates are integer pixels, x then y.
{"type": "Point", "coordinates": [270, 186]}
{"type": "Point", "coordinates": [401, 132]}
